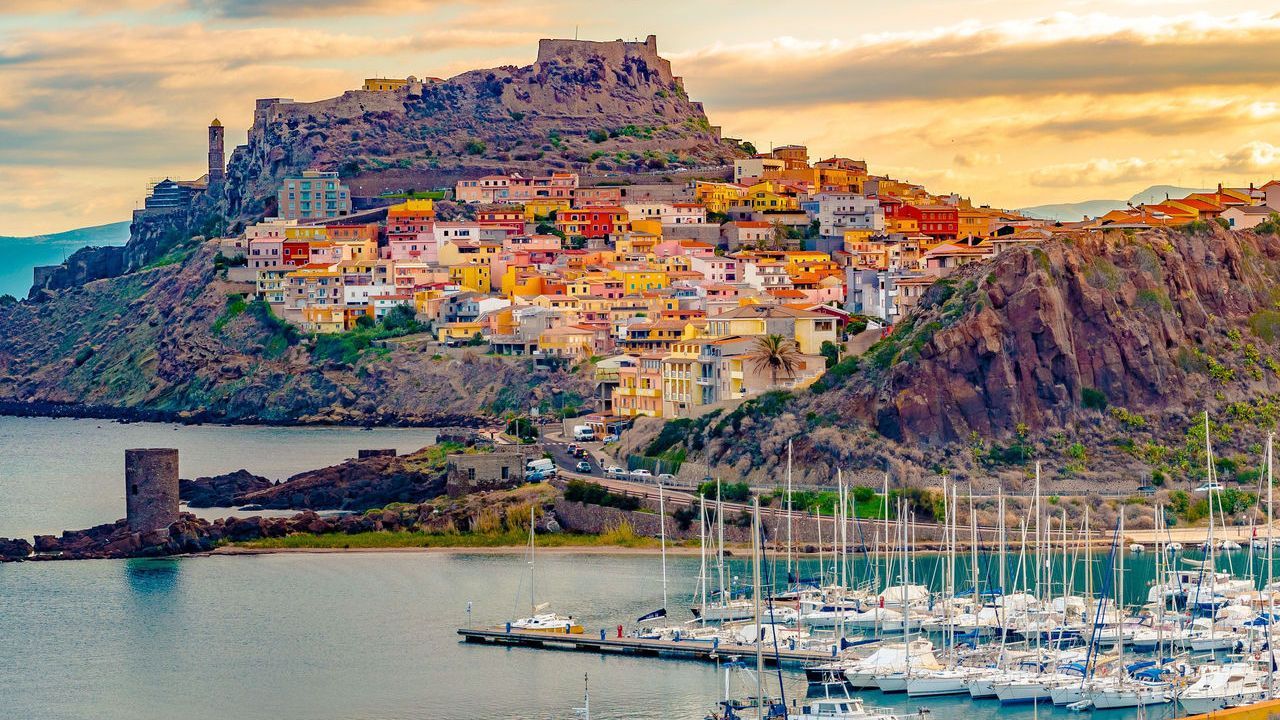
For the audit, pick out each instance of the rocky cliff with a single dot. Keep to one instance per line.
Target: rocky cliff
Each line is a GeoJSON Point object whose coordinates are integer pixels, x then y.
{"type": "Point", "coordinates": [177, 341]}
{"type": "Point", "coordinates": [590, 107]}
{"type": "Point", "coordinates": [1095, 346]}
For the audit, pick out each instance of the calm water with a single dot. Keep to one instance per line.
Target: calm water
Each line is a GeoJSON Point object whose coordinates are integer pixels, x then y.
{"type": "Point", "coordinates": [60, 474]}
{"type": "Point", "coordinates": [324, 637]}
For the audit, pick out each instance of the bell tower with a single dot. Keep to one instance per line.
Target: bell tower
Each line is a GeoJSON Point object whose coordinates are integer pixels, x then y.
{"type": "Point", "coordinates": [217, 161]}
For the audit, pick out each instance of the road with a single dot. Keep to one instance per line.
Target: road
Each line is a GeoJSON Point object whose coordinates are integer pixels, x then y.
{"type": "Point", "coordinates": [685, 496]}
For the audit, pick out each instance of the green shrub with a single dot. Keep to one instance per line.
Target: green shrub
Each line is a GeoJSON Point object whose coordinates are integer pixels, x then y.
{"type": "Point", "coordinates": [1093, 399]}
{"type": "Point", "coordinates": [1265, 324]}
{"type": "Point", "coordinates": [595, 494]}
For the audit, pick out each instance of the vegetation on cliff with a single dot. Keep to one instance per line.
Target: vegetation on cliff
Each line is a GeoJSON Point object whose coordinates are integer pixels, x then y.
{"type": "Point", "coordinates": [177, 341]}
{"type": "Point", "coordinates": [1098, 352]}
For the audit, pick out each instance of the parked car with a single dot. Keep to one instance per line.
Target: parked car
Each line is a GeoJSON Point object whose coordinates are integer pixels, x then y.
{"type": "Point", "coordinates": [583, 467]}
{"type": "Point", "coordinates": [666, 478]}
{"type": "Point", "coordinates": [615, 471]}
{"type": "Point", "coordinates": [610, 438]}
{"type": "Point", "coordinates": [641, 473]}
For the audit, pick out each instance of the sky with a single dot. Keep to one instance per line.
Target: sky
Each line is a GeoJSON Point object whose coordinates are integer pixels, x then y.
{"type": "Point", "coordinates": [1010, 102]}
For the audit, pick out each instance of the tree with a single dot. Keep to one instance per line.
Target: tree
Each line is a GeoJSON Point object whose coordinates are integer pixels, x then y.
{"type": "Point", "coordinates": [748, 147]}
{"type": "Point", "coordinates": [831, 352]}
{"type": "Point", "coordinates": [775, 354]}
{"type": "Point", "coordinates": [6, 300]}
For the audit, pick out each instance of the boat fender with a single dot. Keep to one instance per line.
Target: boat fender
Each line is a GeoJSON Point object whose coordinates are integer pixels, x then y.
{"type": "Point", "coordinates": [619, 631]}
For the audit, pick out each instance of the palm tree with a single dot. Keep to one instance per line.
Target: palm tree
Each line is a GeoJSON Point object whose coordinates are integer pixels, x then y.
{"type": "Point", "coordinates": [777, 355]}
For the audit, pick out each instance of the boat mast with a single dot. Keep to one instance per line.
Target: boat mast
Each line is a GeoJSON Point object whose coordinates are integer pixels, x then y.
{"type": "Point", "coordinates": [1271, 565]}
{"type": "Point", "coordinates": [755, 584]}
{"type": "Point", "coordinates": [973, 553]}
{"type": "Point", "coordinates": [1120, 605]}
{"type": "Point", "coordinates": [662, 532]}
{"type": "Point", "coordinates": [533, 603]}
{"type": "Point", "coordinates": [789, 508]}
{"type": "Point", "coordinates": [720, 540]}
{"type": "Point", "coordinates": [702, 554]}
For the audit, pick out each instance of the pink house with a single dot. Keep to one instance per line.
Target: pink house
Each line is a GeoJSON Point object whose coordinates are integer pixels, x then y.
{"type": "Point", "coordinates": [265, 253]}
{"type": "Point", "coordinates": [532, 242]}
{"type": "Point", "coordinates": [419, 248]}
{"type": "Point", "coordinates": [683, 248]}
{"type": "Point", "coordinates": [714, 269]}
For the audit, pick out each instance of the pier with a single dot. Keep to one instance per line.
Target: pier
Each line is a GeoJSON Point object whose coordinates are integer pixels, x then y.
{"type": "Point", "coordinates": [602, 643]}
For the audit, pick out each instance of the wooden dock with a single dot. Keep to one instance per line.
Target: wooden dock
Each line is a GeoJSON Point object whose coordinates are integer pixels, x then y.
{"type": "Point", "coordinates": [602, 643]}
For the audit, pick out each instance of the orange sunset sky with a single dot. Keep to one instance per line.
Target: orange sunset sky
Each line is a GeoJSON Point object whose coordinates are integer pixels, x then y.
{"type": "Point", "coordinates": [1012, 102]}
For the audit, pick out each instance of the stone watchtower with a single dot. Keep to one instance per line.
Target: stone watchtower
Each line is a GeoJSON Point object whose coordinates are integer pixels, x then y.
{"type": "Point", "coordinates": [217, 160]}
{"type": "Point", "coordinates": [151, 488]}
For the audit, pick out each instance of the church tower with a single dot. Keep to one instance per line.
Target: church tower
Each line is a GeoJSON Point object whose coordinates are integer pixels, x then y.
{"type": "Point", "coordinates": [217, 162]}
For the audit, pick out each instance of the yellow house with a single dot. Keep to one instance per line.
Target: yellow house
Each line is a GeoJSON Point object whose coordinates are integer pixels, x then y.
{"type": "Point", "coordinates": [856, 238]}
{"type": "Point", "coordinates": [556, 302]}
{"type": "Point", "coordinates": [904, 225]}
{"type": "Point", "coordinates": [460, 252]}
{"type": "Point", "coordinates": [358, 250]}
{"type": "Point", "coordinates": [567, 342]}
{"type": "Point", "coordinates": [637, 281]}
{"type": "Point", "coordinates": [806, 257]}
{"type": "Point", "coordinates": [807, 328]}
{"type": "Point", "coordinates": [636, 243]}
{"type": "Point", "coordinates": [520, 281]}
{"type": "Point", "coordinates": [324, 319]}
{"type": "Point", "coordinates": [974, 222]}
{"type": "Point", "coordinates": [306, 232]}
{"type": "Point", "coordinates": [681, 373]}
{"type": "Point", "coordinates": [471, 276]}
{"type": "Point", "coordinates": [541, 208]}
{"type": "Point", "coordinates": [648, 226]}
{"type": "Point", "coordinates": [458, 331]}
{"type": "Point", "coordinates": [384, 84]}
{"type": "Point", "coordinates": [718, 197]}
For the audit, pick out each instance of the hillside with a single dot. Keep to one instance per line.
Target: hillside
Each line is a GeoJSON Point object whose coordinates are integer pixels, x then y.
{"type": "Point", "coordinates": [1098, 353]}
{"type": "Point", "coordinates": [175, 341]}
{"type": "Point", "coordinates": [1076, 211]}
{"type": "Point", "coordinates": [591, 107]}
{"type": "Point", "coordinates": [24, 253]}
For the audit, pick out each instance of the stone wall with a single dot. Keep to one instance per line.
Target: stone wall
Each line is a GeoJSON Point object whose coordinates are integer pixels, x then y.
{"type": "Point", "coordinates": [499, 470]}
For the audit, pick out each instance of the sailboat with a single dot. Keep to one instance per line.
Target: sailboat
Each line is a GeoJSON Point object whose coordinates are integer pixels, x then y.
{"type": "Point", "coordinates": [538, 620]}
{"type": "Point", "coordinates": [756, 706]}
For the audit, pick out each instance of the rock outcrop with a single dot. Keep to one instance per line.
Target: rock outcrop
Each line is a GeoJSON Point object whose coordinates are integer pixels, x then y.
{"type": "Point", "coordinates": [1043, 335]}
{"type": "Point", "coordinates": [589, 107]}
{"type": "Point", "coordinates": [354, 485]}
{"type": "Point", "coordinates": [221, 490]}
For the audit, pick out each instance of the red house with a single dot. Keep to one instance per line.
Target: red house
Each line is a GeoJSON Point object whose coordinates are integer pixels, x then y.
{"type": "Point", "coordinates": [295, 252]}
{"type": "Point", "coordinates": [593, 222]}
{"type": "Point", "coordinates": [941, 222]}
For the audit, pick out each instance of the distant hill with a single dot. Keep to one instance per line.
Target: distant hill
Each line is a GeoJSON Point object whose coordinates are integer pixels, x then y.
{"type": "Point", "coordinates": [1071, 212]}
{"type": "Point", "coordinates": [24, 253]}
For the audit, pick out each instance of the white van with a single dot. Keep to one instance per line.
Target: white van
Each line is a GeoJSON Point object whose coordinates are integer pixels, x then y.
{"type": "Point", "coordinates": [584, 432]}
{"type": "Point", "coordinates": [544, 466]}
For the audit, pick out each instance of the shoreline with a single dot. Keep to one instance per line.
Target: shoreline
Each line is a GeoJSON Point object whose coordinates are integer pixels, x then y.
{"type": "Point", "coordinates": [236, 550]}
{"type": "Point", "coordinates": [124, 415]}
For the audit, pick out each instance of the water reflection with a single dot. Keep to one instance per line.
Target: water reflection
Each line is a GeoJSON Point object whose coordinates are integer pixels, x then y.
{"type": "Point", "coordinates": [152, 578]}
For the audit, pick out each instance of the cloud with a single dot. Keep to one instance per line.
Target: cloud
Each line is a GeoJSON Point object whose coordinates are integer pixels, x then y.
{"type": "Point", "coordinates": [1250, 158]}
{"type": "Point", "coordinates": [246, 9]}
{"type": "Point", "coordinates": [1256, 159]}
{"type": "Point", "coordinates": [1089, 55]}
{"type": "Point", "coordinates": [1094, 172]}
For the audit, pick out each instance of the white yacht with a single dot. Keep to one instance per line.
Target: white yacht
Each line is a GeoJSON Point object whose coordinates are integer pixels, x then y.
{"type": "Point", "coordinates": [1224, 686]}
